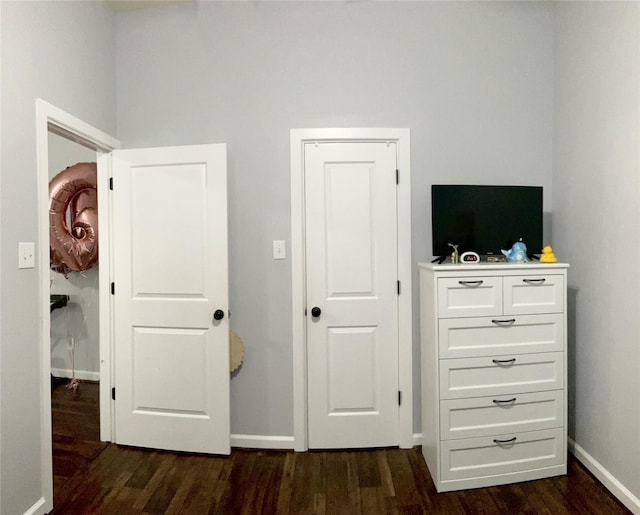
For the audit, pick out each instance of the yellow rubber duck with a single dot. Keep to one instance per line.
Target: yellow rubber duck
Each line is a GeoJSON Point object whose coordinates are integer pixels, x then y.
{"type": "Point", "coordinates": [548, 256]}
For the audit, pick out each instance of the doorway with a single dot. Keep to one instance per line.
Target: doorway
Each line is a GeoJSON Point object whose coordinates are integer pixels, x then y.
{"type": "Point", "coordinates": [51, 120]}
{"type": "Point", "coordinates": [74, 319]}
{"type": "Point", "coordinates": [303, 140]}
{"type": "Point", "coordinates": [74, 314]}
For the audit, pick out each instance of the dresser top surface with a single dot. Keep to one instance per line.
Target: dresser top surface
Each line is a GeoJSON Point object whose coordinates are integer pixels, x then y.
{"type": "Point", "coordinates": [490, 266]}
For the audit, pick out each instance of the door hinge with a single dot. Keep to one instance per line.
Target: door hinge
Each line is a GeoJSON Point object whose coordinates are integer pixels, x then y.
{"type": "Point", "coordinates": [113, 288]}
{"type": "Point", "coordinates": [398, 287]}
{"type": "Point", "coordinates": [111, 183]}
{"type": "Point", "coordinates": [399, 398]}
{"type": "Point", "coordinates": [397, 176]}
{"type": "Point", "coordinates": [113, 393]}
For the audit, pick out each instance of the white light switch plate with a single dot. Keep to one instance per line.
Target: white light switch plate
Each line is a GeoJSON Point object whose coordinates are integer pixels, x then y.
{"type": "Point", "coordinates": [279, 251]}
{"type": "Point", "coordinates": [26, 255]}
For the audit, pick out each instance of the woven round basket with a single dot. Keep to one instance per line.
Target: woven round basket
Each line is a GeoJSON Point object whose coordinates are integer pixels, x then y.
{"type": "Point", "coordinates": [236, 351]}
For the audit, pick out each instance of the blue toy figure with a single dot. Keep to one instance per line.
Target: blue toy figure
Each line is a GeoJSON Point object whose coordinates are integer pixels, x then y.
{"type": "Point", "coordinates": [517, 253]}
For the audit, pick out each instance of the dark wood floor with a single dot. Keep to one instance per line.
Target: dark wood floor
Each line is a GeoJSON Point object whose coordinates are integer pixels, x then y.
{"type": "Point", "coordinates": [96, 478]}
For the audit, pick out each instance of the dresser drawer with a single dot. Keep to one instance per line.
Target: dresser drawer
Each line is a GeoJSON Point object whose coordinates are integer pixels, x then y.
{"type": "Point", "coordinates": [487, 336]}
{"type": "Point", "coordinates": [533, 294]}
{"type": "Point", "coordinates": [486, 416]}
{"type": "Point", "coordinates": [501, 375]}
{"type": "Point", "coordinates": [469, 296]}
{"type": "Point", "coordinates": [478, 457]}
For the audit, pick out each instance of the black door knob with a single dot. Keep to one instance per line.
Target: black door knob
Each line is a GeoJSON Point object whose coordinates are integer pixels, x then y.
{"type": "Point", "coordinates": [218, 314]}
{"type": "Point", "coordinates": [315, 311]}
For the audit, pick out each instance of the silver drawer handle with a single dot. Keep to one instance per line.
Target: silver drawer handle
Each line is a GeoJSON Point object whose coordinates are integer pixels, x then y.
{"type": "Point", "coordinates": [504, 361]}
{"type": "Point", "coordinates": [507, 401]}
{"type": "Point", "coordinates": [504, 322]}
{"type": "Point", "coordinates": [534, 281]}
{"type": "Point", "coordinates": [470, 283]}
{"type": "Point", "coordinates": [504, 442]}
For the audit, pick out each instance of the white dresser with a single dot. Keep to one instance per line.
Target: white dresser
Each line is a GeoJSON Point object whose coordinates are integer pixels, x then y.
{"type": "Point", "coordinates": [493, 352]}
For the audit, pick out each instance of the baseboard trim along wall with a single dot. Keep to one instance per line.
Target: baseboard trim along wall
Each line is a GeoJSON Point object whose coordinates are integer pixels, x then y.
{"type": "Point", "coordinates": [85, 375]}
{"type": "Point", "coordinates": [605, 477]}
{"type": "Point", "coordinates": [281, 442]}
{"type": "Point", "coordinates": [38, 508]}
{"type": "Point", "coordinates": [262, 442]}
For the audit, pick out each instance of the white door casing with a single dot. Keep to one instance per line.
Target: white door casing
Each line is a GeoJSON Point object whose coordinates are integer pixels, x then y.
{"type": "Point", "coordinates": [351, 255]}
{"type": "Point", "coordinates": [49, 118]}
{"type": "Point", "coordinates": [299, 140]}
{"type": "Point", "coordinates": [170, 274]}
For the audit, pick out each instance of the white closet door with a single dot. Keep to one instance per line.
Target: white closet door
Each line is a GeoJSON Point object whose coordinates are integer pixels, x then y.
{"type": "Point", "coordinates": [352, 273]}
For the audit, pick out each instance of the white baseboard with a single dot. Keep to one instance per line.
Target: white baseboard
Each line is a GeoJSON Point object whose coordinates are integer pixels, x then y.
{"type": "Point", "coordinates": [38, 508]}
{"type": "Point", "coordinates": [87, 375]}
{"type": "Point", "coordinates": [262, 442]}
{"type": "Point", "coordinates": [605, 477]}
{"type": "Point", "coordinates": [281, 442]}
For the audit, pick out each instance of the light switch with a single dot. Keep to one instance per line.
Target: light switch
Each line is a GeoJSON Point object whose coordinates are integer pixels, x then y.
{"type": "Point", "coordinates": [26, 255]}
{"type": "Point", "coordinates": [279, 251]}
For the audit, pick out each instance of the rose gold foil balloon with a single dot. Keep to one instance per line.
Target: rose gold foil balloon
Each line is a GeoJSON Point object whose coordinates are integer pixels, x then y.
{"type": "Point", "coordinates": [73, 218]}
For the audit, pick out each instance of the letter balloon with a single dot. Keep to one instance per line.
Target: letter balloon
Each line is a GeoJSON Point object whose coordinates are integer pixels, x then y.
{"type": "Point", "coordinates": [73, 218]}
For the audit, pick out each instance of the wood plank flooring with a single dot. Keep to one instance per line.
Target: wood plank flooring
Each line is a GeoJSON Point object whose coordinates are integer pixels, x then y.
{"type": "Point", "coordinates": [96, 478]}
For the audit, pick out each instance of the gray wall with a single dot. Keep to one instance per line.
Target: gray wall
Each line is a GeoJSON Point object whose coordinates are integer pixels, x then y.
{"type": "Point", "coordinates": [63, 53]}
{"type": "Point", "coordinates": [473, 82]}
{"type": "Point", "coordinates": [596, 224]}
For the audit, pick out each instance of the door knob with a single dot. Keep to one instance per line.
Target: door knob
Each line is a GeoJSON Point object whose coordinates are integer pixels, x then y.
{"type": "Point", "coordinates": [315, 311]}
{"type": "Point", "coordinates": [218, 314]}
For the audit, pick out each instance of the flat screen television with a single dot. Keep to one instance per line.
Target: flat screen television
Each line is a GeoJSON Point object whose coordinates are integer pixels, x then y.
{"type": "Point", "coordinates": [485, 219]}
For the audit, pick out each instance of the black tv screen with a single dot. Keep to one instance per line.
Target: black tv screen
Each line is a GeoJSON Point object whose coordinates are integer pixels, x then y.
{"type": "Point", "coordinates": [485, 219]}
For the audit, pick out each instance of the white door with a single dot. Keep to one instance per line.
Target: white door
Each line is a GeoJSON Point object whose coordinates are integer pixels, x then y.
{"type": "Point", "coordinates": [352, 274]}
{"type": "Point", "coordinates": [170, 278]}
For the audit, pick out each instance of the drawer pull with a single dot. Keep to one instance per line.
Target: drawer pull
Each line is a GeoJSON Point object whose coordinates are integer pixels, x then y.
{"type": "Point", "coordinates": [504, 361]}
{"type": "Point", "coordinates": [534, 281]}
{"type": "Point", "coordinates": [504, 322]}
{"type": "Point", "coordinates": [504, 442]}
{"type": "Point", "coordinates": [501, 402]}
{"type": "Point", "coordinates": [470, 283]}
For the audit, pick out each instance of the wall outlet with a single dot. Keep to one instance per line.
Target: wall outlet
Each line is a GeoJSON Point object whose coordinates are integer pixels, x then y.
{"type": "Point", "coordinates": [279, 251]}
{"type": "Point", "coordinates": [26, 255]}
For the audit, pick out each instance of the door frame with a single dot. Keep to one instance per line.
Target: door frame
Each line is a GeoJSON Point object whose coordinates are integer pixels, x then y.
{"type": "Point", "coordinates": [298, 138]}
{"type": "Point", "coordinates": [52, 119]}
